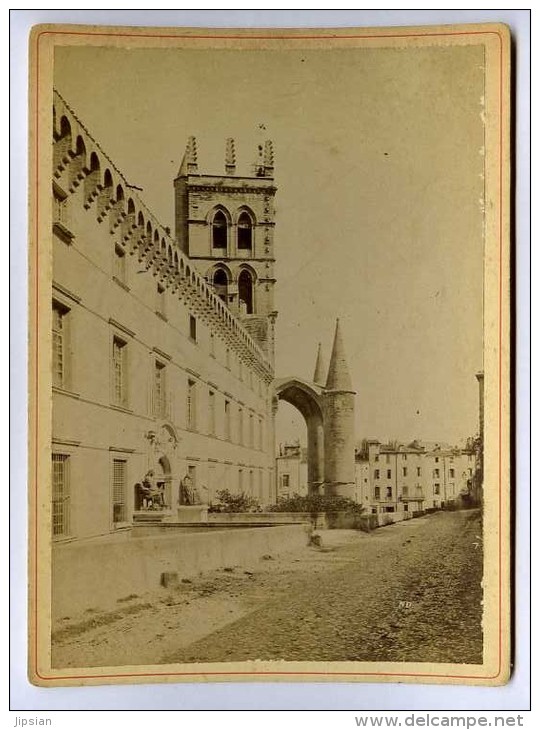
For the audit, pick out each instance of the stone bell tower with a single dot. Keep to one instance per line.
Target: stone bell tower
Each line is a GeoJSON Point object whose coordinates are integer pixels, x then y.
{"type": "Point", "coordinates": [338, 402]}
{"type": "Point", "coordinates": [225, 224]}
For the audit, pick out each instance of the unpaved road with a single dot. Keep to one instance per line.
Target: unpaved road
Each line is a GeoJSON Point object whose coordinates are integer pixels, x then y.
{"type": "Point", "coordinates": [406, 592]}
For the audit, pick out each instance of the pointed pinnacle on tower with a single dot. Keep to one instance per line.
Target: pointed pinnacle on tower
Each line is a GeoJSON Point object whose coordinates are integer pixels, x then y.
{"type": "Point", "coordinates": [268, 158]}
{"type": "Point", "coordinates": [338, 372]}
{"type": "Point", "coordinates": [318, 377]}
{"type": "Point", "coordinates": [259, 163]}
{"type": "Point", "coordinates": [189, 161]}
{"type": "Point", "coordinates": [230, 157]}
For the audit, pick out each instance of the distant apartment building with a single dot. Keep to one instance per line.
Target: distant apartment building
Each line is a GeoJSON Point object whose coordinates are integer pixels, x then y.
{"type": "Point", "coordinates": [291, 471]}
{"type": "Point", "coordinates": [391, 477]}
{"type": "Point", "coordinates": [398, 477]}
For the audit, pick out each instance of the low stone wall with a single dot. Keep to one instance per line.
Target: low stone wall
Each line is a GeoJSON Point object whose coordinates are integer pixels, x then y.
{"type": "Point", "coordinates": [389, 518]}
{"type": "Point", "coordinates": [257, 518]}
{"type": "Point", "coordinates": [324, 520]}
{"type": "Point", "coordinates": [350, 521]}
{"type": "Point", "coordinates": [95, 573]}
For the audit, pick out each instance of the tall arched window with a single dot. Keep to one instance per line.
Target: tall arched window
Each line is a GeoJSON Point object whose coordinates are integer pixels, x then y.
{"type": "Point", "coordinates": [245, 232]}
{"type": "Point", "coordinates": [245, 292]}
{"type": "Point", "coordinates": [221, 282]}
{"type": "Point", "coordinates": [219, 230]}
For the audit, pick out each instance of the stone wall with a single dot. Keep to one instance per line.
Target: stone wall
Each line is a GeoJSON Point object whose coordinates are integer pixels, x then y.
{"type": "Point", "coordinates": [94, 574]}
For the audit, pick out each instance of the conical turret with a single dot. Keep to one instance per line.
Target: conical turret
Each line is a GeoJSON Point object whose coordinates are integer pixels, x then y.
{"type": "Point", "coordinates": [338, 372]}
{"type": "Point", "coordinates": [339, 398]}
{"type": "Point", "coordinates": [319, 376]}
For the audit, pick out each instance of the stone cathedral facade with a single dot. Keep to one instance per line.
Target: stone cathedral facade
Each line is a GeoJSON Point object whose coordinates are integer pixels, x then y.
{"type": "Point", "coordinates": [163, 382]}
{"type": "Point", "coordinates": [162, 344]}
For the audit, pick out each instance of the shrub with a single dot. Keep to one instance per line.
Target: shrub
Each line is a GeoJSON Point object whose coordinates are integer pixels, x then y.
{"type": "Point", "coordinates": [314, 503]}
{"type": "Point", "coordinates": [228, 502]}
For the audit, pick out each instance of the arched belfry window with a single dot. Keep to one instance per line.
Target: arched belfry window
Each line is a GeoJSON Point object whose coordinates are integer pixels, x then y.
{"type": "Point", "coordinates": [221, 283]}
{"type": "Point", "coordinates": [245, 232]}
{"type": "Point", "coordinates": [219, 230]}
{"type": "Point", "coordinates": [245, 292]}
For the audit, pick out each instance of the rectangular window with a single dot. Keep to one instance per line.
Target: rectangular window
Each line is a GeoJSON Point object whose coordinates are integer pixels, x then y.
{"type": "Point", "coordinates": [285, 480]}
{"type": "Point", "coordinates": [377, 473]}
{"type": "Point", "coordinates": [404, 471]}
{"type": "Point", "coordinates": [435, 473]}
{"type": "Point", "coordinates": [211, 484]}
{"type": "Point", "coordinates": [192, 328]}
{"type": "Point", "coordinates": [389, 492]}
{"type": "Point", "coordinates": [404, 457]}
{"type": "Point", "coordinates": [227, 420]}
{"type": "Point", "coordinates": [119, 365]}
{"type": "Point", "coordinates": [61, 220]}
{"type": "Point", "coordinates": [452, 473]}
{"type": "Point", "coordinates": [211, 413]}
{"type": "Point", "coordinates": [240, 426]}
{"type": "Point", "coordinates": [418, 471]}
{"type": "Point", "coordinates": [376, 457]}
{"type": "Point", "coordinates": [60, 495]}
{"type": "Point", "coordinates": [60, 207]}
{"type": "Point", "coordinates": [160, 301]}
{"type": "Point", "coordinates": [389, 473]}
{"type": "Point", "coordinates": [437, 488]}
{"type": "Point", "coordinates": [191, 406]}
{"type": "Point", "coordinates": [119, 479]}
{"type": "Point", "coordinates": [377, 492]}
{"type": "Point", "coordinates": [192, 474]}
{"type": "Point", "coordinates": [405, 491]}
{"type": "Point", "coordinates": [436, 459]}
{"type": "Point", "coordinates": [60, 315]}
{"type": "Point", "coordinates": [160, 392]}
{"type": "Point", "coordinates": [120, 268]}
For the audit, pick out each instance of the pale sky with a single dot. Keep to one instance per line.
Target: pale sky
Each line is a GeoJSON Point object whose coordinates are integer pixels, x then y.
{"type": "Point", "coordinates": [378, 165]}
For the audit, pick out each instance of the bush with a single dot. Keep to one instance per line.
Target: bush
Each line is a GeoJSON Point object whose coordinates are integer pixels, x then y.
{"type": "Point", "coordinates": [368, 522]}
{"type": "Point", "coordinates": [228, 502]}
{"type": "Point", "coordinates": [314, 503]}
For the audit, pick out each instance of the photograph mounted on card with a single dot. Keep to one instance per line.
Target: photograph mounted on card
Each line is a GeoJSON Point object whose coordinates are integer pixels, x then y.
{"type": "Point", "coordinates": [270, 355]}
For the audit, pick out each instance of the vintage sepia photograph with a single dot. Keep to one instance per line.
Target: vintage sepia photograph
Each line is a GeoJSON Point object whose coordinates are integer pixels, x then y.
{"type": "Point", "coordinates": [269, 276]}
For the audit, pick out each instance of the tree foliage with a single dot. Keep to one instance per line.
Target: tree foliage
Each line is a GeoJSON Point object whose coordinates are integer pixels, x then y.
{"type": "Point", "coordinates": [313, 503]}
{"type": "Point", "coordinates": [228, 502]}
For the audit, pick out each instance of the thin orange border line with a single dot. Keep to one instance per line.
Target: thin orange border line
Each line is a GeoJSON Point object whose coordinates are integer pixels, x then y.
{"type": "Point", "coordinates": [36, 459]}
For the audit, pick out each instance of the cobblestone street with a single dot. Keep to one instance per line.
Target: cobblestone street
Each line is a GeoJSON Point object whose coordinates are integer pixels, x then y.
{"type": "Point", "coordinates": [406, 592]}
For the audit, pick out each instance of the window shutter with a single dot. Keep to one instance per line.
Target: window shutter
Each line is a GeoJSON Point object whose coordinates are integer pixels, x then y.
{"type": "Point", "coordinates": [119, 490]}
{"type": "Point", "coordinates": [60, 495]}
